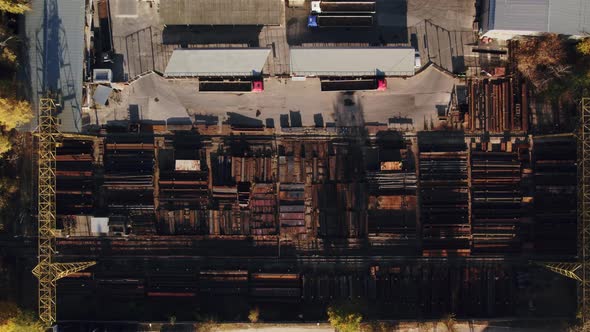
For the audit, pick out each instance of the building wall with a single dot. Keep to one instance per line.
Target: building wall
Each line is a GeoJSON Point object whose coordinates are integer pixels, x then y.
{"type": "Point", "coordinates": [509, 34]}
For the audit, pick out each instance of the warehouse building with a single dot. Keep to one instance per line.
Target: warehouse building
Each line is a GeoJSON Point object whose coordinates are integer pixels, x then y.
{"type": "Point", "coordinates": [217, 62]}
{"type": "Point", "coordinates": [371, 61]}
{"type": "Point", "coordinates": [505, 19]}
{"type": "Point", "coordinates": [221, 12]}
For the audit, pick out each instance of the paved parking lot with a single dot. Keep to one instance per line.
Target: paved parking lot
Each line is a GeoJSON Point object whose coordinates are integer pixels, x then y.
{"type": "Point", "coordinates": [438, 29]}
{"type": "Point", "coordinates": [161, 99]}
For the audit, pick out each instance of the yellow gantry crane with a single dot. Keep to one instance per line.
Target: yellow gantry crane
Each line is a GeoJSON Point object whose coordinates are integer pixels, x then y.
{"type": "Point", "coordinates": [48, 271]}
{"type": "Point", "coordinates": [580, 270]}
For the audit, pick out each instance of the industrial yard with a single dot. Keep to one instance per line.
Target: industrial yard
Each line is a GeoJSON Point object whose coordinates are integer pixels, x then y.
{"type": "Point", "coordinates": [209, 165]}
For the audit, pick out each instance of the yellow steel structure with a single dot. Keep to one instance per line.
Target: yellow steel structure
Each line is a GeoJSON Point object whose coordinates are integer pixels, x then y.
{"type": "Point", "coordinates": [580, 270]}
{"type": "Point", "coordinates": [48, 271]}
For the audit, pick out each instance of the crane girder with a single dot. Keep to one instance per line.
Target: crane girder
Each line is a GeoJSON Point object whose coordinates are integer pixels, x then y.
{"type": "Point", "coordinates": [48, 271]}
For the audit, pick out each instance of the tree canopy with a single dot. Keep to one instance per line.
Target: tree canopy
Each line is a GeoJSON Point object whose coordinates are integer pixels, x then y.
{"type": "Point", "coordinates": [584, 46]}
{"type": "Point", "coordinates": [14, 6]}
{"type": "Point", "coordinates": [345, 317]}
{"type": "Point", "coordinates": [542, 60]}
{"type": "Point", "coordinates": [13, 319]}
{"type": "Point", "coordinates": [14, 113]}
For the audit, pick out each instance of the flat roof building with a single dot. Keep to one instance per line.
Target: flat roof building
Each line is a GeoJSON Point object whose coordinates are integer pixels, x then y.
{"type": "Point", "coordinates": [505, 19]}
{"type": "Point", "coordinates": [368, 61]}
{"type": "Point", "coordinates": [221, 12]}
{"type": "Point", "coordinates": [216, 62]}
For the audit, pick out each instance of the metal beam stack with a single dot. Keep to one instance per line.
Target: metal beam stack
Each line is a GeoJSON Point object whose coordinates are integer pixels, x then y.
{"type": "Point", "coordinates": [75, 177]}
{"type": "Point", "coordinates": [496, 105]}
{"type": "Point", "coordinates": [496, 198]}
{"type": "Point", "coordinates": [555, 180]}
{"type": "Point", "coordinates": [444, 193]}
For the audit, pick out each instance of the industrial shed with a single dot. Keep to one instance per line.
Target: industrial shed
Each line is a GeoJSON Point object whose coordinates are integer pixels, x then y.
{"type": "Point", "coordinates": [217, 62]}
{"type": "Point", "coordinates": [505, 19]}
{"type": "Point", "coordinates": [221, 12]}
{"type": "Point", "coordinates": [376, 61]}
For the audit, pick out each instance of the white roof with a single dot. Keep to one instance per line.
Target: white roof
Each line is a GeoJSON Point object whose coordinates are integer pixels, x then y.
{"type": "Point", "coordinates": [99, 225]}
{"type": "Point", "coordinates": [569, 17]}
{"type": "Point", "coordinates": [366, 61]}
{"type": "Point", "coordinates": [217, 62]}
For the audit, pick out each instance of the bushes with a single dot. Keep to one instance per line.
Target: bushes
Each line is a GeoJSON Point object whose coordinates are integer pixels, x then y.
{"type": "Point", "coordinates": [13, 319]}
{"type": "Point", "coordinates": [345, 317]}
{"type": "Point", "coordinates": [14, 6]}
{"type": "Point", "coordinates": [254, 315]}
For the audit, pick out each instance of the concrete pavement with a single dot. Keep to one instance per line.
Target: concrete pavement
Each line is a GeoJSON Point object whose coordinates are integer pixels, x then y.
{"type": "Point", "coordinates": [161, 99]}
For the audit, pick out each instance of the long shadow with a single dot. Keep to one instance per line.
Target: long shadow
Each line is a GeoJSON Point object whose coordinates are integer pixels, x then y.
{"type": "Point", "coordinates": [53, 72]}
{"type": "Point", "coordinates": [343, 203]}
{"type": "Point", "coordinates": [205, 34]}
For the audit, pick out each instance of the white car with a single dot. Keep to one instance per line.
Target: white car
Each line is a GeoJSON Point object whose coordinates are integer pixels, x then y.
{"type": "Point", "coordinates": [417, 60]}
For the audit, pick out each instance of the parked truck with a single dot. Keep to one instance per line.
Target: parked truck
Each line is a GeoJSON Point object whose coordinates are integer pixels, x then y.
{"type": "Point", "coordinates": [379, 84]}
{"type": "Point", "coordinates": [321, 21]}
{"type": "Point", "coordinates": [355, 7]}
{"type": "Point", "coordinates": [254, 85]}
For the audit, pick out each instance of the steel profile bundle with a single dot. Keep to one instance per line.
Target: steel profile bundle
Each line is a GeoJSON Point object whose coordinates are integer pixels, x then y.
{"type": "Point", "coordinates": [75, 183]}
{"type": "Point", "coordinates": [252, 169]}
{"type": "Point", "coordinates": [497, 105]}
{"type": "Point", "coordinates": [496, 200]}
{"type": "Point", "coordinates": [180, 187]}
{"type": "Point", "coordinates": [342, 209]}
{"type": "Point", "coordinates": [444, 194]}
{"type": "Point", "coordinates": [223, 282]}
{"type": "Point", "coordinates": [129, 165]}
{"type": "Point", "coordinates": [555, 194]}
{"type": "Point", "coordinates": [392, 184]}
{"type": "Point", "coordinates": [183, 222]}
{"type": "Point", "coordinates": [291, 169]}
{"type": "Point", "coordinates": [263, 210]}
{"type": "Point", "coordinates": [221, 165]}
{"type": "Point", "coordinates": [275, 286]}
{"type": "Point", "coordinates": [292, 208]}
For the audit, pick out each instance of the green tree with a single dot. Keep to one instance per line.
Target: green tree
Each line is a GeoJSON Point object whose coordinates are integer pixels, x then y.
{"type": "Point", "coordinates": [345, 317]}
{"type": "Point", "coordinates": [14, 6]}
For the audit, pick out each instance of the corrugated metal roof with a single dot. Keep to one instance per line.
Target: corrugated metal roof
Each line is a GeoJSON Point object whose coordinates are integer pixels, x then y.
{"type": "Point", "coordinates": [55, 40]}
{"type": "Point", "coordinates": [525, 15]}
{"type": "Point", "coordinates": [221, 12]}
{"type": "Point", "coordinates": [217, 62]}
{"type": "Point", "coordinates": [570, 17]}
{"type": "Point", "coordinates": [352, 61]}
